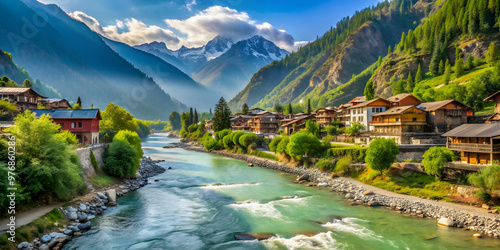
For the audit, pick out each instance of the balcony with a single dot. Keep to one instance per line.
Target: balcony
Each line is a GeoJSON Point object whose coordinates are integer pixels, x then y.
{"type": "Point", "coordinates": [471, 147]}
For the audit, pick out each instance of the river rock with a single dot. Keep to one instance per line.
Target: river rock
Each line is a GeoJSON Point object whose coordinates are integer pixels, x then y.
{"type": "Point", "coordinates": [304, 177]}
{"type": "Point", "coordinates": [82, 217]}
{"type": "Point", "coordinates": [45, 238]}
{"type": "Point", "coordinates": [77, 234]}
{"type": "Point", "coordinates": [368, 192]}
{"type": "Point", "coordinates": [23, 245]}
{"type": "Point", "coordinates": [252, 236]}
{"type": "Point", "coordinates": [111, 193]}
{"type": "Point", "coordinates": [445, 222]}
{"type": "Point", "coordinates": [477, 235]}
{"type": "Point", "coordinates": [84, 226]}
{"type": "Point", "coordinates": [102, 195]}
{"type": "Point", "coordinates": [485, 206]}
{"type": "Point", "coordinates": [373, 203]}
{"type": "Point", "coordinates": [323, 184]}
{"type": "Point", "coordinates": [72, 215]}
{"type": "Point", "coordinates": [349, 196]}
{"type": "Point", "coordinates": [71, 209]}
{"type": "Point", "coordinates": [90, 217]}
{"type": "Point", "coordinates": [68, 232]}
{"type": "Point", "coordinates": [82, 208]}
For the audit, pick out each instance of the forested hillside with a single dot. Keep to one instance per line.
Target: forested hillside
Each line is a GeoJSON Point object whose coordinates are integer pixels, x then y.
{"type": "Point", "coordinates": [330, 61]}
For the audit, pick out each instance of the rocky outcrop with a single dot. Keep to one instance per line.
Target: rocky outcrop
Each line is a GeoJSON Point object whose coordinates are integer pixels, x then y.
{"type": "Point", "coordinates": [488, 224]}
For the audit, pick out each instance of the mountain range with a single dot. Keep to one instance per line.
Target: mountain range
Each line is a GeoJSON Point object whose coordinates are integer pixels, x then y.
{"type": "Point", "coordinates": [221, 65]}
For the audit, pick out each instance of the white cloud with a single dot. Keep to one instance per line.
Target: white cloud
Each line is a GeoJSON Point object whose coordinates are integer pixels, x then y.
{"type": "Point", "coordinates": [197, 30]}
{"type": "Point", "coordinates": [224, 21]}
{"type": "Point", "coordinates": [190, 3]}
{"type": "Point", "coordinates": [132, 31]}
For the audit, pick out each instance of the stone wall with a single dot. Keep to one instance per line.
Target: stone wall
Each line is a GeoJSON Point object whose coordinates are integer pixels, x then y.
{"type": "Point", "coordinates": [86, 164]}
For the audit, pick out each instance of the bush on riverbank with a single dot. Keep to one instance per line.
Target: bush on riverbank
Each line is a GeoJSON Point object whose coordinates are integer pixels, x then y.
{"type": "Point", "coordinates": [123, 157]}
{"type": "Point", "coordinates": [356, 153]}
{"type": "Point", "coordinates": [487, 179]}
{"type": "Point", "coordinates": [47, 165]}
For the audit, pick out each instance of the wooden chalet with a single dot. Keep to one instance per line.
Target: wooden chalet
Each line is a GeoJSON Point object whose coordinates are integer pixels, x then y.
{"type": "Point", "coordinates": [240, 122]}
{"type": "Point", "coordinates": [325, 116]}
{"type": "Point", "coordinates": [495, 118]}
{"type": "Point", "coordinates": [297, 124]}
{"type": "Point", "coordinates": [264, 124]}
{"type": "Point", "coordinates": [84, 123]}
{"type": "Point", "coordinates": [25, 98]}
{"type": "Point", "coordinates": [400, 119]}
{"type": "Point", "coordinates": [446, 115]}
{"type": "Point", "coordinates": [404, 99]}
{"type": "Point", "coordinates": [56, 103]}
{"type": "Point", "coordinates": [476, 143]}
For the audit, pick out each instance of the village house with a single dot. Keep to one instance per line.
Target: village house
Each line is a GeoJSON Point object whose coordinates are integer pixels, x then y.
{"type": "Point", "coordinates": [399, 122]}
{"type": "Point", "coordinates": [84, 123]}
{"type": "Point", "coordinates": [362, 112]}
{"type": "Point", "coordinates": [443, 116]}
{"type": "Point", "coordinates": [476, 143]}
{"type": "Point", "coordinates": [56, 103]}
{"type": "Point", "coordinates": [404, 99]}
{"type": "Point", "coordinates": [25, 98]}
{"type": "Point", "coordinates": [325, 116]}
{"type": "Point", "coordinates": [240, 122]}
{"type": "Point", "coordinates": [208, 126]}
{"type": "Point", "coordinates": [495, 118]}
{"type": "Point", "coordinates": [297, 124]}
{"type": "Point", "coordinates": [264, 124]}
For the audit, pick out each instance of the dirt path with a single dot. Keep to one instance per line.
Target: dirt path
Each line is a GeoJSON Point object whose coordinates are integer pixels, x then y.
{"type": "Point", "coordinates": [27, 216]}
{"type": "Point", "coordinates": [471, 209]}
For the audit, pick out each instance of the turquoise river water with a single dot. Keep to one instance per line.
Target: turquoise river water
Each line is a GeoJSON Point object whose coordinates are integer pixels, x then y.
{"type": "Point", "coordinates": [180, 212]}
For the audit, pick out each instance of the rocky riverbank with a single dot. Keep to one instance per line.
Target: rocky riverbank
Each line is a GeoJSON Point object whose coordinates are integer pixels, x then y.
{"type": "Point", "coordinates": [91, 205]}
{"type": "Point", "coordinates": [453, 215]}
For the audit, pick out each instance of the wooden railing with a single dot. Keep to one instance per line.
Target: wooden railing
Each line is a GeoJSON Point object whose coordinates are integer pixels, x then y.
{"type": "Point", "coordinates": [474, 147]}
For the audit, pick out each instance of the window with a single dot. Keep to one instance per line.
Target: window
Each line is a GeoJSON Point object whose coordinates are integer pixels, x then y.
{"type": "Point", "coordinates": [61, 124]}
{"type": "Point", "coordinates": [397, 119]}
{"type": "Point", "coordinates": [374, 110]}
{"type": "Point", "coordinates": [76, 125]}
{"type": "Point", "coordinates": [414, 119]}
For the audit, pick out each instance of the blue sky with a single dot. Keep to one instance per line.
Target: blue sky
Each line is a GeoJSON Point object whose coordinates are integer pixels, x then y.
{"type": "Point", "coordinates": [288, 23]}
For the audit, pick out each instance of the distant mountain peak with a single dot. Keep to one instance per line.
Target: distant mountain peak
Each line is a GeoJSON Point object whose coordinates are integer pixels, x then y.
{"type": "Point", "coordinates": [217, 46]}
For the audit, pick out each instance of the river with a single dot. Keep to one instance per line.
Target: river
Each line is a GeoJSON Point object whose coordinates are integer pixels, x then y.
{"type": "Point", "coordinates": [180, 212]}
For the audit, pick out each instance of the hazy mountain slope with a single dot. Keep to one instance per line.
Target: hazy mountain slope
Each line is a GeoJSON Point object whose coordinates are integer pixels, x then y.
{"type": "Point", "coordinates": [170, 79]}
{"type": "Point", "coordinates": [230, 72]}
{"type": "Point", "coordinates": [327, 63]}
{"type": "Point", "coordinates": [75, 60]}
{"type": "Point", "coordinates": [13, 72]}
{"type": "Point", "coordinates": [159, 49]}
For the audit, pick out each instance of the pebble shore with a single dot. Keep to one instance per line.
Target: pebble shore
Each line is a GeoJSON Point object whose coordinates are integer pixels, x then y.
{"type": "Point", "coordinates": [81, 215]}
{"type": "Point", "coordinates": [450, 214]}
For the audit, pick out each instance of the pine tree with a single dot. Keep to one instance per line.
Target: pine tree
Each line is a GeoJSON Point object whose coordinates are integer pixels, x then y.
{"type": "Point", "coordinates": [191, 116]}
{"type": "Point", "coordinates": [379, 62]}
{"type": "Point", "coordinates": [436, 57]}
{"type": "Point", "coordinates": [210, 110]}
{"type": "Point", "coordinates": [195, 117]}
{"type": "Point", "coordinates": [419, 76]}
{"type": "Point", "coordinates": [309, 110]}
{"type": "Point", "coordinates": [492, 54]}
{"type": "Point", "coordinates": [79, 101]}
{"type": "Point", "coordinates": [398, 87]}
{"type": "Point", "coordinates": [447, 72]}
{"type": "Point", "coordinates": [389, 50]}
{"type": "Point", "coordinates": [369, 90]}
{"type": "Point", "coordinates": [469, 63]}
{"type": "Point", "coordinates": [27, 84]}
{"type": "Point", "coordinates": [244, 109]}
{"type": "Point", "coordinates": [410, 84]}
{"type": "Point", "coordinates": [221, 116]}
{"type": "Point", "coordinates": [441, 67]}
{"type": "Point", "coordinates": [290, 109]}
{"type": "Point", "coordinates": [459, 62]}
{"type": "Point", "coordinates": [92, 106]}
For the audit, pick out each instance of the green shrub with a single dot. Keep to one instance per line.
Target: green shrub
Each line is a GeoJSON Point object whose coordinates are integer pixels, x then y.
{"type": "Point", "coordinates": [220, 135]}
{"type": "Point", "coordinates": [328, 139]}
{"type": "Point", "coordinates": [192, 128]}
{"type": "Point", "coordinates": [274, 143]}
{"type": "Point", "coordinates": [236, 137]}
{"type": "Point", "coordinates": [249, 140]}
{"type": "Point", "coordinates": [120, 160]}
{"type": "Point", "coordinates": [434, 159]}
{"type": "Point", "coordinates": [94, 161]}
{"type": "Point", "coordinates": [326, 164]}
{"type": "Point", "coordinates": [342, 166]}
{"type": "Point", "coordinates": [487, 179]}
{"type": "Point", "coordinates": [282, 145]}
{"type": "Point", "coordinates": [381, 154]}
{"type": "Point", "coordinates": [331, 130]}
{"type": "Point", "coordinates": [133, 139]}
{"type": "Point", "coordinates": [354, 129]}
{"type": "Point", "coordinates": [303, 142]}
{"type": "Point", "coordinates": [228, 143]}
{"type": "Point", "coordinates": [211, 144]}
{"type": "Point", "coordinates": [264, 155]}
{"type": "Point", "coordinates": [103, 180]}
{"type": "Point", "coordinates": [183, 133]}
{"type": "Point", "coordinates": [357, 154]}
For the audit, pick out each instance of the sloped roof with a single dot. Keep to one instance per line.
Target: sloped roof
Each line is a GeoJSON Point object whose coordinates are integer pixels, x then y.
{"type": "Point", "coordinates": [14, 91]}
{"type": "Point", "coordinates": [475, 130]}
{"type": "Point", "coordinates": [395, 110]}
{"type": "Point", "coordinates": [364, 104]}
{"type": "Point", "coordinates": [54, 100]}
{"type": "Point", "coordinates": [297, 120]}
{"type": "Point", "coordinates": [432, 106]}
{"type": "Point", "coordinates": [491, 97]}
{"type": "Point", "coordinates": [400, 97]}
{"type": "Point", "coordinates": [327, 108]}
{"type": "Point", "coordinates": [358, 99]}
{"type": "Point", "coordinates": [68, 113]}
